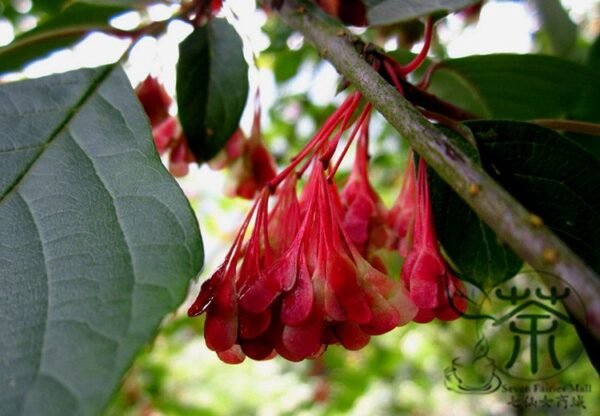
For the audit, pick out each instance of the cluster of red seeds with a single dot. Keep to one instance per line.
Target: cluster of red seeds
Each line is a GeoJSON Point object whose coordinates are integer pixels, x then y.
{"type": "Point", "coordinates": [306, 272]}
{"type": "Point", "coordinates": [309, 274]}
{"type": "Point", "coordinates": [301, 280]}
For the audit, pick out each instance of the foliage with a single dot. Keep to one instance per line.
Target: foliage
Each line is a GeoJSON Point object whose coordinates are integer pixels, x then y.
{"type": "Point", "coordinates": [217, 88]}
{"type": "Point", "coordinates": [98, 245]}
{"type": "Point", "coordinates": [99, 241]}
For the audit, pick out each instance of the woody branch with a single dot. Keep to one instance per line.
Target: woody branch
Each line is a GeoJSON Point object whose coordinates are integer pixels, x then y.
{"type": "Point", "coordinates": [515, 225]}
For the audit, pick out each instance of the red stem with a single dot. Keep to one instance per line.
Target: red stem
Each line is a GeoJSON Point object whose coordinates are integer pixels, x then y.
{"type": "Point", "coordinates": [362, 149]}
{"type": "Point", "coordinates": [426, 80]}
{"type": "Point", "coordinates": [322, 134]}
{"type": "Point", "coordinates": [418, 60]}
{"type": "Point", "coordinates": [361, 121]}
{"type": "Point", "coordinates": [239, 238]}
{"type": "Point", "coordinates": [328, 153]}
{"type": "Point", "coordinates": [265, 223]}
{"type": "Point", "coordinates": [392, 74]}
{"type": "Point", "coordinates": [424, 232]}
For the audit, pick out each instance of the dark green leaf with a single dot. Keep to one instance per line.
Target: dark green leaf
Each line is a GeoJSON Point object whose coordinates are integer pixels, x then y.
{"type": "Point", "coordinates": [97, 241]}
{"type": "Point", "coordinates": [589, 142]}
{"type": "Point", "coordinates": [520, 87]}
{"type": "Point", "coordinates": [470, 244]}
{"type": "Point", "coordinates": [551, 176]}
{"type": "Point", "coordinates": [212, 86]}
{"type": "Point", "coordinates": [557, 25]}
{"type": "Point", "coordinates": [593, 59]}
{"type": "Point", "coordinates": [61, 30]}
{"type": "Point", "coordinates": [385, 12]}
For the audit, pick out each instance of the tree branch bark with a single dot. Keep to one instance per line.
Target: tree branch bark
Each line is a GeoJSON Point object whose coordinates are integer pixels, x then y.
{"type": "Point", "coordinates": [514, 225]}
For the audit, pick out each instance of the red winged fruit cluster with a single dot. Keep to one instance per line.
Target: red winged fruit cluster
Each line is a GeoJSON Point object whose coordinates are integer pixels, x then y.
{"type": "Point", "coordinates": [305, 269]}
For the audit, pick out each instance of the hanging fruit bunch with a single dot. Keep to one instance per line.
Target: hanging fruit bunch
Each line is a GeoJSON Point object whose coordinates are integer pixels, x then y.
{"type": "Point", "coordinates": [305, 271]}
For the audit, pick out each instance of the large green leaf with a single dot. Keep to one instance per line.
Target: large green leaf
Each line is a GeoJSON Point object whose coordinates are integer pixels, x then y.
{"type": "Point", "coordinates": [470, 244]}
{"type": "Point", "coordinates": [59, 31]}
{"type": "Point", "coordinates": [212, 86]}
{"type": "Point", "coordinates": [550, 175]}
{"type": "Point", "coordinates": [385, 12]}
{"type": "Point", "coordinates": [97, 241]}
{"type": "Point", "coordinates": [520, 87]}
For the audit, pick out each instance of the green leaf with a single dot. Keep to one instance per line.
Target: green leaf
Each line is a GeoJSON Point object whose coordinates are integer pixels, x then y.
{"type": "Point", "coordinates": [520, 87]}
{"type": "Point", "coordinates": [470, 244]}
{"type": "Point", "coordinates": [97, 241]}
{"type": "Point", "coordinates": [385, 12]}
{"type": "Point", "coordinates": [557, 25]}
{"type": "Point", "coordinates": [550, 175]}
{"type": "Point", "coordinates": [59, 31]}
{"type": "Point", "coordinates": [593, 59]}
{"type": "Point", "coordinates": [212, 86]}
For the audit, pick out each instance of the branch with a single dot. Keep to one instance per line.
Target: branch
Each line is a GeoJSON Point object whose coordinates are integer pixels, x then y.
{"type": "Point", "coordinates": [523, 231]}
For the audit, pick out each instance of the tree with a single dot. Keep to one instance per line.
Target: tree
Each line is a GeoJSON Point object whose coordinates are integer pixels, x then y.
{"type": "Point", "coordinates": [98, 243]}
